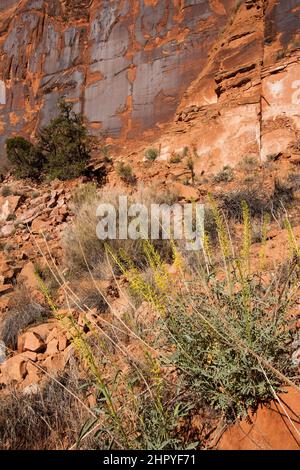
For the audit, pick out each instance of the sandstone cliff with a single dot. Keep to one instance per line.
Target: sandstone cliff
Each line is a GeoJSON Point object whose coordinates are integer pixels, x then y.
{"type": "Point", "coordinates": [229, 69]}
{"type": "Point", "coordinates": [126, 64]}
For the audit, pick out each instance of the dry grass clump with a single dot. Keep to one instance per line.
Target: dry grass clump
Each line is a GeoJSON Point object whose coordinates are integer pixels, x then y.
{"type": "Point", "coordinates": [49, 417]}
{"type": "Point", "coordinates": [248, 163]}
{"type": "Point", "coordinates": [82, 246]}
{"type": "Point", "coordinates": [125, 172]}
{"type": "Point", "coordinates": [90, 294]}
{"type": "Point", "coordinates": [258, 202]}
{"type": "Point", "coordinates": [294, 180]}
{"type": "Point", "coordinates": [151, 154]}
{"type": "Point", "coordinates": [25, 311]}
{"type": "Point", "coordinates": [224, 176]}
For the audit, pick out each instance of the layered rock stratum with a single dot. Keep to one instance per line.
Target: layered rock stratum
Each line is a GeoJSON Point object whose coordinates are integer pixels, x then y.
{"type": "Point", "coordinates": [228, 69]}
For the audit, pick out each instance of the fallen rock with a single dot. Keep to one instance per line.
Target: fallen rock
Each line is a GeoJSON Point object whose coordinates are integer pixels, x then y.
{"type": "Point", "coordinates": [39, 225]}
{"type": "Point", "coordinates": [31, 341]}
{"type": "Point", "coordinates": [52, 347]}
{"type": "Point", "coordinates": [186, 192]}
{"type": "Point", "coordinates": [44, 329]}
{"type": "Point", "coordinates": [270, 429]}
{"type": "Point", "coordinates": [57, 362]}
{"type": "Point", "coordinates": [28, 275]}
{"type": "Point", "coordinates": [28, 216]}
{"type": "Point", "coordinates": [8, 205]}
{"type": "Point", "coordinates": [33, 376]}
{"type": "Point", "coordinates": [8, 229]}
{"type": "Point", "coordinates": [14, 368]}
{"type": "Point", "coordinates": [62, 343]}
{"type": "Point", "coordinates": [30, 355]}
{"type": "Point", "coordinates": [52, 335]}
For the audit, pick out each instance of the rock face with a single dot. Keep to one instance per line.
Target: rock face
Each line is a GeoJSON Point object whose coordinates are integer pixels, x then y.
{"type": "Point", "coordinates": [129, 65]}
{"type": "Point", "coordinates": [282, 416]}
{"type": "Point", "coordinates": [244, 102]}
{"type": "Point", "coordinates": [125, 64]}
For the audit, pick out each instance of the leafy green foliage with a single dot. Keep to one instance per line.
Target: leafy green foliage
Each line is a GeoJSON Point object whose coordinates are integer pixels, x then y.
{"type": "Point", "coordinates": [212, 347]}
{"type": "Point", "coordinates": [125, 172]}
{"type": "Point", "coordinates": [151, 154]}
{"type": "Point", "coordinates": [62, 151]}
{"type": "Point", "coordinates": [224, 176]}
{"type": "Point", "coordinates": [27, 161]}
{"type": "Point", "coordinates": [65, 144]}
{"type": "Point", "coordinates": [176, 158]}
{"type": "Point", "coordinates": [158, 425]}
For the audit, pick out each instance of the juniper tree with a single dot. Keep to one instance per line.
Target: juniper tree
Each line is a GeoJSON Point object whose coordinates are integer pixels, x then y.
{"type": "Point", "coordinates": [65, 143]}
{"type": "Point", "coordinates": [26, 160]}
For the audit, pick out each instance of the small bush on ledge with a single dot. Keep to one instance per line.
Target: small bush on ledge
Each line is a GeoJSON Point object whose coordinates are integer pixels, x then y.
{"type": "Point", "coordinates": [125, 172]}
{"type": "Point", "coordinates": [151, 154]}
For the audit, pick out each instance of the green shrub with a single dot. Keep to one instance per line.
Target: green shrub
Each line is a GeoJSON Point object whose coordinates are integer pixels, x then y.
{"type": "Point", "coordinates": [224, 176]}
{"type": "Point", "coordinates": [176, 158]}
{"type": "Point", "coordinates": [63, 148]}
{"type": "Point", "coordinates": [257, 201]}
{"type": "Point", "coordinates": [151, 154]}
{"type": "Point", "coordinates": [125, 172]}
{"type": "Point", "coordinates": [228, 329]}
{"type": "Point", "coordinates": [218, 372]}
{"type": "Point", "coordinates": [65, 144]}
{"type": "Point", "coordinates": [232, 336]}
{"type": "Point", "coordinates": [26, 160]}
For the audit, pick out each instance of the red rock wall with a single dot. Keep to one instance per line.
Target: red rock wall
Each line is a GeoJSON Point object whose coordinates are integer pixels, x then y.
{"type": "Point", "coordinates": [228, 74]}
{"type": "Point", "coordinates": [125, 64]}
{"type": "Point", "coordinates": [245, 101]}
